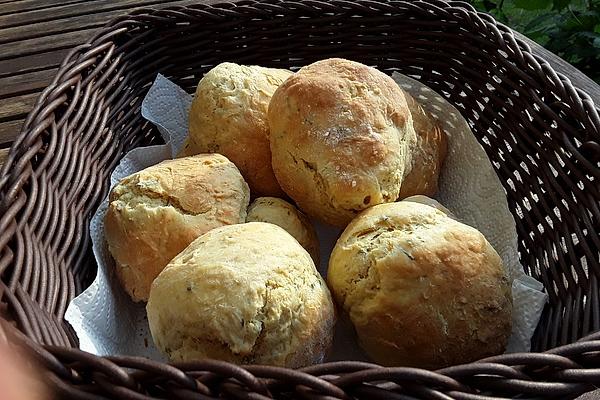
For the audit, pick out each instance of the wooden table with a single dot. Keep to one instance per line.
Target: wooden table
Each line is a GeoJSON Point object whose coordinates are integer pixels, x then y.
{"type": "Point", "coordinates": [35, 35]}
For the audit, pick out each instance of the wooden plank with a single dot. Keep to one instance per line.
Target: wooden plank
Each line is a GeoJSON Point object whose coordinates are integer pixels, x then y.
{"type": "Point", "coordinates": [29, 5]}
{"type": "Point", "coordinates": [34, 62]}
{"type": "Point", "coordinates": [70, 24]}
{"type": "Point", "coordinates": [9, 131]}
{"type": "Point", "coordinates": [16, 107]}
{"type": "Point", "coordinates": [45, 44]}
{"type": "Point", "coordinates": [71, 10]}
{"type": "Point", "coordinates": [25, 83]}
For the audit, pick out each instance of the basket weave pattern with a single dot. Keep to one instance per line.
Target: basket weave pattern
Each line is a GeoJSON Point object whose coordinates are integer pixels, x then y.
{"type": "Point", "coordinates": [541, 134]}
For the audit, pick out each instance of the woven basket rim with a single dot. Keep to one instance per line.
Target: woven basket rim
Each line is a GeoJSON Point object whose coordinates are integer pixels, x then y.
{"type": "Point", "coordinates": [511, 372]}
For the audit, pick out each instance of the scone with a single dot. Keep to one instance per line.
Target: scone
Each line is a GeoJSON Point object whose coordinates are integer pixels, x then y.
{"type": "Point", "coordinates": [341, 138]}
{"type": "Point", "coordinates": [157, 212]}
{"type": "Point", "coordinates": [427, 156]}
{"type": "Point", "coordinates": [281, 213]}
{"type": "Point", "coordinates": [244, 293]}
{"type": "Point", "coordinates": [428, 201]}
{"type": "Point", "coordinates": [421, 289]}
{"type": "Point", "coordinates": [229, 116]}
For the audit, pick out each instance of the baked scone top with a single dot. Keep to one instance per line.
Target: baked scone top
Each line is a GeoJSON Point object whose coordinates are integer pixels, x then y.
{"type": "Point", "coordinates": [341, 134]}
{"type": "Point", "coordinates": [229, 116]}
{"type": "Point", "coordinates": [421, 288]}
{"type": "Point", "coordinates": [246, 293]}
{"type": "Point", "coordinates": [155, 213]}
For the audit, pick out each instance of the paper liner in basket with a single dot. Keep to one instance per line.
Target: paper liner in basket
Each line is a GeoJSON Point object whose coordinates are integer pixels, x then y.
{"type": "Point", "coordinates": [109, 323]}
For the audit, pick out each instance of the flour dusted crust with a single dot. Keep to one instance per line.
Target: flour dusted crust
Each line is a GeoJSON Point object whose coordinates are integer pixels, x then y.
{"type": "Point", "coordinates": [245, 293]}
{"type": "Point", "coordinates": [281, 213]}
{"type": "Point", "coordinates": [421, 288]}
{"type": "Point", "coordinates": [341, 138]}
{"type": "Point", "coordinates": [228, 116]}
{"type": "Point", "coordinates": [157, 212]}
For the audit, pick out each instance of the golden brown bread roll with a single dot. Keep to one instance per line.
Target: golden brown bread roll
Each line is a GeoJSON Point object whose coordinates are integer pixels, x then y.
{"type": "Point", "coordinates": [228, 116]}
{"type": "Point", "coordinates": [155, 213]}
{"type": "Point", "coordinates": [245, 293]}
{"type": "Point", "coordinates": [285, 215]}
{"type": "Point", "coordinates": [422, 290]}
{"type": "Point", "coordinates": [428, 154]}
{"type": "Point", "coordinates": [428, 201]}
{"type": "Point", "coordinates": [341, 138]}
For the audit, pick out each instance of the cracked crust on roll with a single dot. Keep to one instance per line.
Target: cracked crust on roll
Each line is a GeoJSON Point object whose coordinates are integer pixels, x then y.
{"type": "Point", "coordinates": [229, 116]}
{"type": "Point", "coordinates": [157, 212]}
{"type": "Point", "coordinates": [427, 156]}
{"type": "Point", "coordinates": [341, 134]}
{"type": "Point", "coordinates": [281, 213]}
{"type": "Point", "coordinates": [245, 293]}
{"type": "Point", "coordinates": [422, 290]}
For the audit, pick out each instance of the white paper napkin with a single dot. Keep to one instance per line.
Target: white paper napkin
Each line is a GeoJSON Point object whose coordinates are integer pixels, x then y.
{"type": "Point", "coordinates": [109, 323]}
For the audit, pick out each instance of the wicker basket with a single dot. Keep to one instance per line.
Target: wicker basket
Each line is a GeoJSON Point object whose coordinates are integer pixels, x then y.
{"type": "Point", "coordinates": [541, 134]}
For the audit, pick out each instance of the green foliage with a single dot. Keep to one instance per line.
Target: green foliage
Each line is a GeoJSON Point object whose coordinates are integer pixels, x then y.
{"type": "Point", "coordinates": [569, 28]}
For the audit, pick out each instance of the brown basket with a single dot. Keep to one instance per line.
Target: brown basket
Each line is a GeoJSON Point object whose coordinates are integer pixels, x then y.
{"type": "Point", "coordinates": [540, 132]}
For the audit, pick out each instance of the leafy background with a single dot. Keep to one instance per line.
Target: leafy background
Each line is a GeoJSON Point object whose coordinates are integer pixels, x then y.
{"type": "Point", "coordinates": [569, 28]}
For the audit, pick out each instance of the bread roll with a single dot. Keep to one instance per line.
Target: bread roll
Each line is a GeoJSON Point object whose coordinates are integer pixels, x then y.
{"type": "Point", "coordinates": [281, 213]}
{"type": "Point", "coordinates": [422, 290]}
{"type": "Point", "coordinates": [428, 201]}
{"type": "Point", "coordinates": [229, 116]}
{"type": "Point", "coordinates": [427, 156]}
{"type": "Point", "coordinates": [341, 138]}
{"type": "Point", "coordinates": [244, 293]}
{"type": "Point", "coordinates": [157, 212]}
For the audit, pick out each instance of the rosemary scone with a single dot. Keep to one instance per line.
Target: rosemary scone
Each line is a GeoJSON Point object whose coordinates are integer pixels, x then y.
{"type": "Point", "coordinates": [229, 116]}
{"type": "Point", "coordinates": [246, 293]}
{"type": "Point", "coordinates": [342, 139]}
{"type": "Point", "coordinates": [157, 212]}
{"type": "Point", "coordinates": [281, 213]}
{"type": "Point", "coordinates": [421, 288]}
